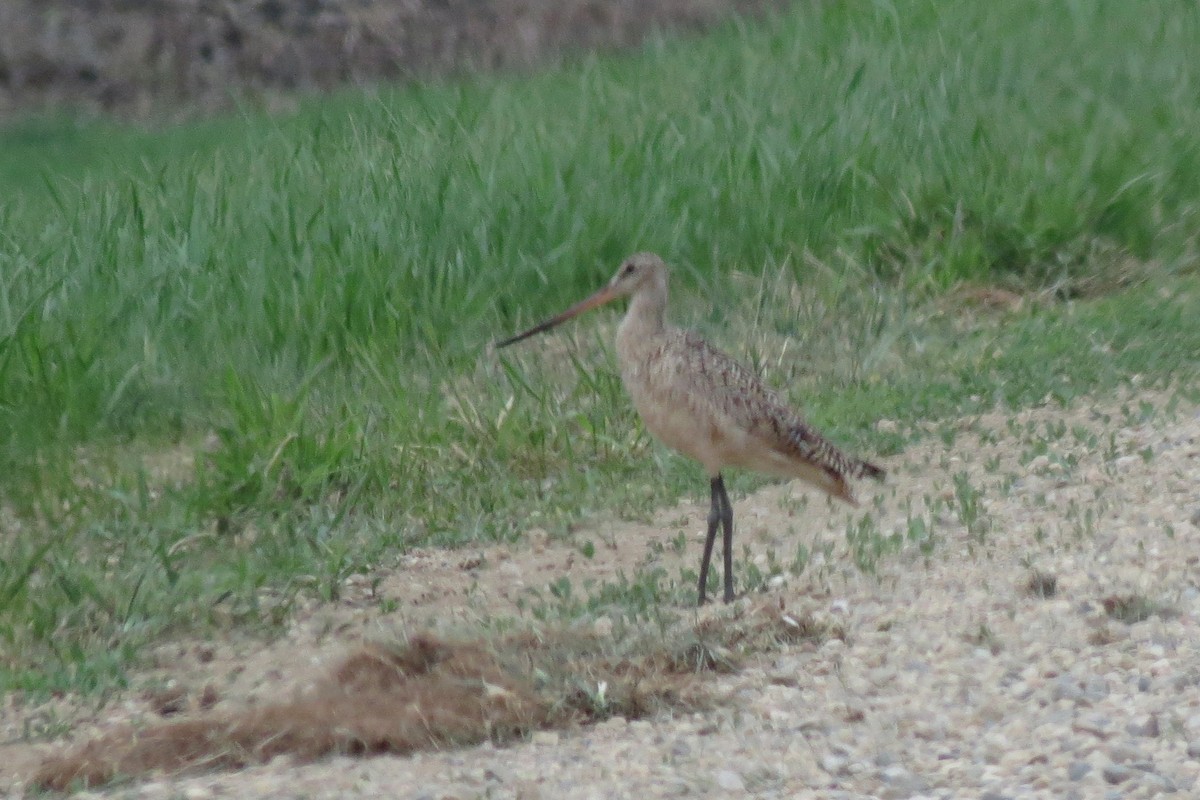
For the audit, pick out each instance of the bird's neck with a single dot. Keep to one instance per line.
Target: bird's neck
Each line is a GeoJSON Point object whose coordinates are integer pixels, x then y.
{"type": "Point", "coordinates": [646, 316]}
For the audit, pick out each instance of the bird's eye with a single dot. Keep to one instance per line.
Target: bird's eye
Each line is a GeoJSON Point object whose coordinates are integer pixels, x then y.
{"type": "Point", "coordinates": [627, 269]}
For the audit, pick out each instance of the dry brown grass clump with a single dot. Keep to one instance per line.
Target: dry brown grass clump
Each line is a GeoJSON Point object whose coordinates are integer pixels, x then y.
{"type": "Point", "coordinates": [377, 700]}
{"type": "Point", "coordinates": [437, 693]}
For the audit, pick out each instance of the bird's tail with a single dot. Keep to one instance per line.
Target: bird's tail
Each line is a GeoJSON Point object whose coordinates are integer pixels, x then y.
{"type": "Point", "coordinates": [839, 488]}
{"type": "Point", "coordinates": [868, 470]}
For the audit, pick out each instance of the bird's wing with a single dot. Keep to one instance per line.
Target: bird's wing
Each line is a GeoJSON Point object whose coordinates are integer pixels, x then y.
{"type": "Point", "coordinates": [735, 392]}
{"type": "Point", "coordinates": [729, 388]}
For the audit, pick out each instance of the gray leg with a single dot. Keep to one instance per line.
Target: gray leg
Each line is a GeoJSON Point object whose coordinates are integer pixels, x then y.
{"type": "Point", "coordinates": [727, 522]}
{"type": "Point", "coordinates": [715, 515]}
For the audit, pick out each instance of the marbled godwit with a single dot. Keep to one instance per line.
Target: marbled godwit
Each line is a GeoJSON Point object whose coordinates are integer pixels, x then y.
{"type": "Point", "coordinates": [701, 402]}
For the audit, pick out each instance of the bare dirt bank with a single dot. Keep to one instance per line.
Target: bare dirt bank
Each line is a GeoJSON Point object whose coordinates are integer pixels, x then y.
{"type": "Point", "coordinates": [147, 58]}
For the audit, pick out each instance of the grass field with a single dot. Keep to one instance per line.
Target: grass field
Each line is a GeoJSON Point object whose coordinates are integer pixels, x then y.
{"type": "Point", "coordinates": [244, 360]}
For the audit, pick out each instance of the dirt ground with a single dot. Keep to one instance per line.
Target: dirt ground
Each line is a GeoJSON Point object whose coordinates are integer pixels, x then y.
{"type": "Point", "coordinates": [1048, 646]}
{"type": "Point", "coordinates": [151, 59]}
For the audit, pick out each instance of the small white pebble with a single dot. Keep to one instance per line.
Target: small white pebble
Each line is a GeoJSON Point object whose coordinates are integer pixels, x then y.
{"type": "Point", "coordinates": [730, 781]}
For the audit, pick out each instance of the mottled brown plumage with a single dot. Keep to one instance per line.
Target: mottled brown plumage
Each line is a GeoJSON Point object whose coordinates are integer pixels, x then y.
{"type": "Point", "coordinates": [701, 402]}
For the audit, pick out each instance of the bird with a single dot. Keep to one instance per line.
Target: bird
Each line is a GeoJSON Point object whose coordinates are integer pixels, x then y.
{"type": "Point", "coordinates": [704, 404]}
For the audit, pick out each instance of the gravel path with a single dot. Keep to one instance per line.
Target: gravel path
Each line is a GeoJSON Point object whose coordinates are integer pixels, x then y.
{"type": "Point", "coordinates": [1048, 647]}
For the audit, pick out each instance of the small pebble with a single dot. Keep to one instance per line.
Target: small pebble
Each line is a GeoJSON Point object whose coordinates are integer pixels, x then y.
{"type": "Point", "coordinates": [832, 764]}
{"type": "Point", "coordinates": [1163, 784]}
{"type": "Point", "coordinates": [1124, 753]}
{"type": "Point", "coordinates": [1066, 688]}
{"type": "Point", "coordinates": [1148, 729]}
{"type": "Point", "coordinates": [1078, 769]}
{"type": "Point", "coordinates": [902, 782]}
{"type": "Point", "coordinates": [730, 781]}
{"type": "Point", "coordinates": [1116, 773]}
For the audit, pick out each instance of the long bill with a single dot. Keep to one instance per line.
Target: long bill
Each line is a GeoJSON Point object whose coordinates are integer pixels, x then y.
{"type": "Point", "coordinates": [601, 297]}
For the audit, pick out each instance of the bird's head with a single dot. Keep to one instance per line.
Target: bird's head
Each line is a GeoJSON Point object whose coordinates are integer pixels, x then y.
{"type": "Point", "coordinates": [637, 273]}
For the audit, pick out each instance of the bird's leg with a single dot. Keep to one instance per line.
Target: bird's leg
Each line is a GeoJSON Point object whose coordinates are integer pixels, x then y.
{"type": "Point", "coordinates": [727, 523]}
{"type": "Point", "coordinates": [715, 514]}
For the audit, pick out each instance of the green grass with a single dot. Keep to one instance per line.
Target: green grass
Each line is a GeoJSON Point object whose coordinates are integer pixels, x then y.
{"type": "Point", "coordinates": [243, 360]}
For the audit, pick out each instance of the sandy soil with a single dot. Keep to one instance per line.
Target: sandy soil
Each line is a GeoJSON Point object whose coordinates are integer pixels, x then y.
{"type": "Point", "coordinates": [1048, 649]}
